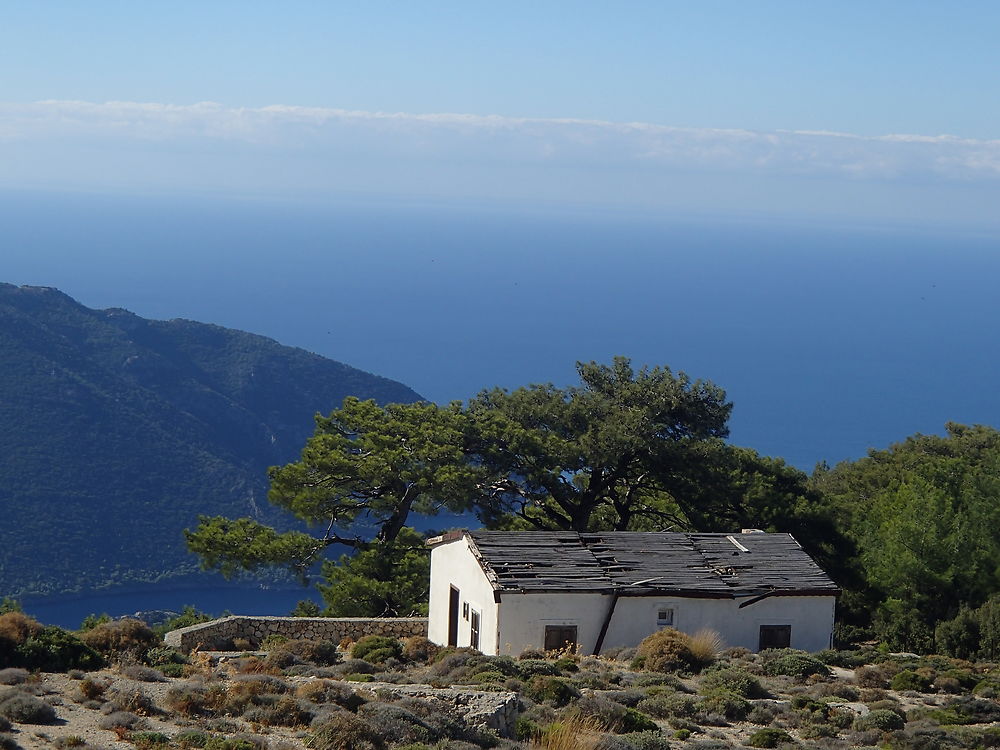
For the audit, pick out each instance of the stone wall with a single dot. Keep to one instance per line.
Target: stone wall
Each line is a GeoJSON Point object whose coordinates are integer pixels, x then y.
{"type": "Point", "coordinates": [219, 634]}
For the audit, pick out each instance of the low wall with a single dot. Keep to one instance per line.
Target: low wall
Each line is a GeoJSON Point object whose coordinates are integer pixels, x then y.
{"type": "Point", "coordinates": [219, 634]}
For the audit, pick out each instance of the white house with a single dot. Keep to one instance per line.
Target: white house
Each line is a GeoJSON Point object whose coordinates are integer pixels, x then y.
{"type": "Point", "coordinates": [504, 591]}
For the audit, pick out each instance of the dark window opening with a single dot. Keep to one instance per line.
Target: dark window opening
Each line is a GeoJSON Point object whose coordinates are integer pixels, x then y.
{"type": "Point", "coordinates": [560, 637]}
{"type": "Point", "coordinates": [775, 636]}
{"type": "Point", "coordinates": [453, 617]}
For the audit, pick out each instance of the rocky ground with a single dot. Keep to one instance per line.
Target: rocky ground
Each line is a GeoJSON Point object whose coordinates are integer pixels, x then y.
{"type": "Point", "coordinates": [414, 696]}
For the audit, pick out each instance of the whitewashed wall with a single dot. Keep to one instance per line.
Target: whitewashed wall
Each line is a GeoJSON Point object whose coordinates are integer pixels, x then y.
{"type": "Point", "coordinates": [453, 564]}
{"type": "Point", "coordinates": [523, 618]}
{"type": "Point", "coordinates": [811, 619]}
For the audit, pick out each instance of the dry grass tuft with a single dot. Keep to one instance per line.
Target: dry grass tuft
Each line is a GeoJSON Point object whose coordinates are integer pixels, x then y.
{"type": "Point", "coordinates": [576, 732]}
{"type": "Point", "coordinates": [706, 645]}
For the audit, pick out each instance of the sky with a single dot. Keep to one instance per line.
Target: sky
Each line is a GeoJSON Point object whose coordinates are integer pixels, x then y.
{"type": "Point", "coordinates": [874, 111]}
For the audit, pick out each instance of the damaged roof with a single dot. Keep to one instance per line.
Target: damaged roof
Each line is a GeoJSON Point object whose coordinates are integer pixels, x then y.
{"type": "Point", "coordinates": [648, 563]}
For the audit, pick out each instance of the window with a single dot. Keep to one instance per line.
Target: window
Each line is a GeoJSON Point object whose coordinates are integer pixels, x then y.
{"type": "Point", "coordinates": [465, 610]}
{"type": "Point", "coordinates": [664, 617]}
{"type": "Point", "coordinates": [560, 637]}
{"type": "Point", "coordinates": [474, 638]}
{"type": "Point", "coordinates": [775, 636]}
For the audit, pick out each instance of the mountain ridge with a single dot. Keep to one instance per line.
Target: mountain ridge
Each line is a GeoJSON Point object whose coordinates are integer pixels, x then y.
{"type": "Point", "coordinates": [116, 431]}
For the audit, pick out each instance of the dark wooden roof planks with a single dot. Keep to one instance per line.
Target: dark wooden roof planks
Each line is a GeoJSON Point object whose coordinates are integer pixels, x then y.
{"type": "Point", "coordinates": [630, 563]}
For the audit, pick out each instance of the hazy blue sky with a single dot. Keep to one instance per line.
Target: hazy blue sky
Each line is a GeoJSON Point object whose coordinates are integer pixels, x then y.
{"type": "Point", "coordinates": [873, 109]}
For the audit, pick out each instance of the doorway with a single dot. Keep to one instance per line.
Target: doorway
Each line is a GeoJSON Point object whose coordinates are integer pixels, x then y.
{"type": "Point", "coordinates": [453, 599]}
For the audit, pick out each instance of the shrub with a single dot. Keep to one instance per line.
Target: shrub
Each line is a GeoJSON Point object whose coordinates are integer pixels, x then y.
{"type": "Point", "coordinates": [13, 676]}
{"type": "Point", "coordinates": [17, 627]}
{"type": "Point", "coordinates": [528, 668]}
{"type": "Point", "coordinates": [871, 677]}
{"type": "Point", "coordinates": [419, 648]}
{"type": "Point", "coordinates": [139, 673]}
{"type": "Point", "coordinates": [355, 666]}
{"type": "Point", "coordinates": [122, 720]}
{"type": "Point", "coordinates": [792, 663]}
{"type": "Point", "coordinates": [647, 740]}
{"type": "Point", "coordinates": [120, 637]}
{"type": "Point", "coordinates": [144, 740]}
{"type": "Point", "coordinates": [735, 680]}
{"type": "Point", "coordinates": [130, 698]}
{"type": "Point", "coordinates": [668, 705]}
{"type": "Point", "coordinates": [89, 690]}
{"type": "Point", "coordinates": [367, 646]}
{"type": "Point", "coordinates": [608, 713]}
{"type": "Point", "coordinates": [326, 691]}
{"type": "Point", "coordinates": [667, 650]}
{"type": "Point", "coordinates": [189, 699]}
{"type": "Point", "coordinates": [396, 725]}
{"type": "Point", "coordinates": [841, 658]}
{"type": "Point", "coordinates": [25, 709]}
{"type": "Point", "coordinates": [734, 707]}
{"type": "Point", "coordinates": [910, 680]}
{"type": "Point", "coordinates": [344, 731]}
{"type": "Point", "coordinates": [967, 710]}
{"type": "Point", "coordinates": [161, 656]}
{"type": "Point", "coordinates": [880, 719]}
{"type": "Point", "coordinates": [553, 690]}
{"type": "Point", "coordinates": [5, 725]}
{"type": "Point", "coordinates": [191, 738]}
{"type": "Point", "coordinates": [323, 653]}
{"type": "Point", "coordinates": [283, 712]}
{"type": "Point", "coordinates": [52, 649]}
{"type": "Point", "coordinates": [769, 737]}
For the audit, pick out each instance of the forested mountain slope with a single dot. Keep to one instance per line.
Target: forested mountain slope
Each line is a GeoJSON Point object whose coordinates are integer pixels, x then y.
{"type": "Point", "coordinates": [116, 432]}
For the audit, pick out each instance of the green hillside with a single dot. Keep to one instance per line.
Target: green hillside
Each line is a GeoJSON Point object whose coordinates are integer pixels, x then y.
{"type": "Point", "coordinates": [116, 432]}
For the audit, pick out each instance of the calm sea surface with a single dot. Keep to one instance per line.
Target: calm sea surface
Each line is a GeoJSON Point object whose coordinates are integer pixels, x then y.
{"type": "Point", "coordinates": [830, 339]}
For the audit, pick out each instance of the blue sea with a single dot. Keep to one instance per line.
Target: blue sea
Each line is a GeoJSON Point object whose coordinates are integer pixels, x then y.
{"type": "Point", "coordinates": [830, 337]}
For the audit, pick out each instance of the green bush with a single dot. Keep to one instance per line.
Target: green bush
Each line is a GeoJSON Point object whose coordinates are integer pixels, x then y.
{"type": "Point", "coordinates": [647, 739]}
{"type": "Point", "coordinates": [880, 719]}
{"type": "Point", "coordinates": [553, 690]}
{"type": "Point", "coordinates": [769, 737]}
{"type": "Point", "coordinates": [792, 663]}
{"type": "Point", "coordinates": [668, 705]}
{"type": "Point", "coordinates": [365, 647]}
{"type": "Point", "coordinates": [734, 707]}
{"type": "Point", "coordinates": [910, 680]}
{"type": "Point", "coordinates": [528, 668]}
{"type": "Point", "coordinates": [53, 649]}
{"type": "Point", "coordinates": [636, 721]}
{"type": "Point", "coordinates": [734, 680]}
{"type": "Point", "coordinates": [958, 637]}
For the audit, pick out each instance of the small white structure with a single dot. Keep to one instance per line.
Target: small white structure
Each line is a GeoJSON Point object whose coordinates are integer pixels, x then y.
{"type": "Point", "coordinates": [504, 591]}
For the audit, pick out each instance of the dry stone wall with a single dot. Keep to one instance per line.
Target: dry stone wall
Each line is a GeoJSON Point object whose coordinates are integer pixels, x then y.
{"type": "Point", "coordinates": [220, 634]}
